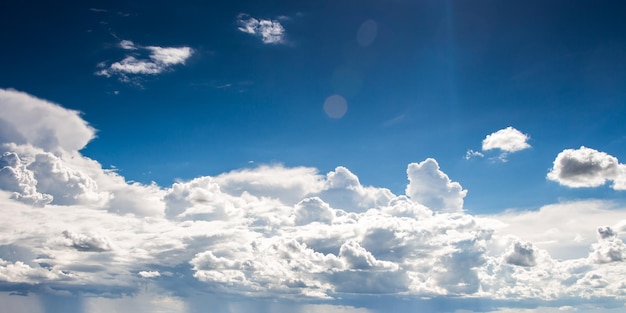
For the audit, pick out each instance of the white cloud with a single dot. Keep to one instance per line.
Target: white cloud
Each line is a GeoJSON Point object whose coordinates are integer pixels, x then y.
{"type": "Point", "coordinates": [159, 60]}
{"type": "Point", "coordinates": [287, 233]}
{"type": "Point", "coordinates": [431, 187]}
{"type": "Point", "coordinates": [508, 140]}
{"type": "Point", "coordinates": [270, 31]}
{"type": "Point", "coordinates": [473, 154]}
{"type": "Point", "coordinates": [149, 274]}
{"type": "Point", "coordinates": [585, 167]}
{"type": "Point", "coordinates": [49, 126]}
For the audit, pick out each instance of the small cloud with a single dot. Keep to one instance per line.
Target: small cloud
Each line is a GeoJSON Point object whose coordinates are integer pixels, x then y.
{"type": "Point", "coordinates": [149, 274]}
{"type": "Point", "coordinates": [508, 140]}
{"type": "Point", "coordinates": [159, 60]}
{"type": "Point", "coordinates": [585, 167]}
{"type": "Point", "coordinates": [270, 31]}
{"type": "Point", "coordinates": [98, 10]}
{"type": "Point", "coordinates": [127, 45]}
{"type": "Point", "coordinates": [473, 154]}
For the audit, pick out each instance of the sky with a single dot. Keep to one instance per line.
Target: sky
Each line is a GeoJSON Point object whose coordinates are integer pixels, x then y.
{"type": "Point", "coordinates": [323, 156]}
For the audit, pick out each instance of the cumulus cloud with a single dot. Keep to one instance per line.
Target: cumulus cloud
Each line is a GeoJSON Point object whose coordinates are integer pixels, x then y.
{"type": "Point", "coordinates": [586, 167]}
{"type": "Point", "coordinates": [158, 60]}
{"type": "Point", "coordinates": [50, 126]}
{"type": "Point", "coordinates": [609, 248]}
{"type": "Point", "coordinates": [270, 31]}
{"type": "Point", "coordinates": [431, 187]}
{"type": "Point", "coordinates": [506, 140]}
{"type": "Point", "coordinates": [521, 254]}
{"type": "Point", "coordinates": [286, 233]}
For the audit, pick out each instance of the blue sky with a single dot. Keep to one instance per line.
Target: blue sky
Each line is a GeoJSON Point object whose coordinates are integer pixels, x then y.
{"type": "Point", "coordinates": [480, 142]}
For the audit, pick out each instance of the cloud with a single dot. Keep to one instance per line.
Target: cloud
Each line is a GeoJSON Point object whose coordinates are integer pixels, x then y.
{"type": "Point", "coordinates": [507, 140]}
{"type": "Point", "coordinates": [473, 154]}
{"type": "Point", "coordinates": [87, 243]}
{"type": "Point", "coordinates": [609, 248]}
{"type": "Point", "coordinates": [159, 60]}
{"type": "Point", "coordinates": [50, 126]}
{"type": "Point", "coordinates": [149, 274]}
{"type": "Point", "coordinates": [288, 234]}
{"type": "Point", "coordinates": [431, 187]}
{"type": "Point", "coordinates": [521, 254]}
{"type": "Point", "coordinates": [270, 31]}
{"type": "Point", "coordinates": [586, 167]}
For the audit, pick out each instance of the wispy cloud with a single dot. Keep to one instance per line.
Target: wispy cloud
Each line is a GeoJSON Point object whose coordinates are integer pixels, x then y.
{"type": "Point", "coordinates": [586, 167]}
{"type": "Point", "coordinates": [157, 61]}
{"type": "Point", "coordinates": [270, 31]}
{"type": "Point", "coordinates": [506, 140]}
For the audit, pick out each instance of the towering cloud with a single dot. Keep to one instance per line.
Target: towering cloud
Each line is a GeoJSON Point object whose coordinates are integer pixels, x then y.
{"type": "Point", "coordinates": [431, 187]}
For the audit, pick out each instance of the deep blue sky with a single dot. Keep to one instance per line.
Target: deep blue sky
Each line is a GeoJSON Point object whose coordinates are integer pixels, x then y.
{"type": "Point", "coordinates": [438, 77]}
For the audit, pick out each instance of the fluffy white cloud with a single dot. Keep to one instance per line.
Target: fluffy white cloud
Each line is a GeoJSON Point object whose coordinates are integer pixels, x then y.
{"type": "Point", "coordinates": [585, 167]}
{"type": "Point", "coordinates": [50, 126]}
{"type": "Point", "coordinates": [610, 248]}
{"type": "Point", "coordinates": [159, 60]}
{"type": "Point", "coordinates": [507, 139]}
{"type": "Point", "coordinates": [288, 233]}
{"type": "Point", "coordinates": [431, 187]}
{"type": "Point", "coordinates": [270, 31]}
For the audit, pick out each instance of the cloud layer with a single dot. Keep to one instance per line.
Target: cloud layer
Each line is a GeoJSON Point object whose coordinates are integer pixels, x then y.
{"type": "Point", "coordinates": [70, 227]}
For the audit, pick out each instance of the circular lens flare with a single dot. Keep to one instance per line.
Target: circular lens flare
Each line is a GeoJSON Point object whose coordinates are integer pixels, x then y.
{"type": "Point", "coordinates": [335, 106]}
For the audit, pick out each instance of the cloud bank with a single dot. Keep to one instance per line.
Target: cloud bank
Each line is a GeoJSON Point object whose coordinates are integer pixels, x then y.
{"type": "Point", "coordinates": [71, 228]}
